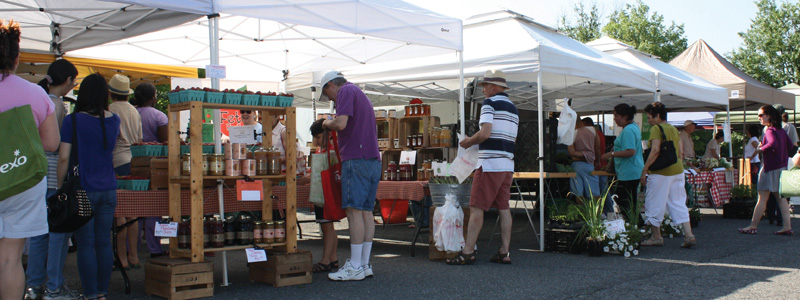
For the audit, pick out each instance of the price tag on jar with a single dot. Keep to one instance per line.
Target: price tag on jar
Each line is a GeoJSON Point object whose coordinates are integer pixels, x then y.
{"type": "Point", "coordinates": [408, 157]}
{"type": "Point", "coordinates": [167, 229]}
{"type": "Point", "coordinates": [256, 255]}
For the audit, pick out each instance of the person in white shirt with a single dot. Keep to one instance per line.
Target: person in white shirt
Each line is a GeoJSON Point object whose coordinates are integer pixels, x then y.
{"type": "Point", "coordinates": [713, 147]}
{"type": "Point", "coordinates": [750, 152]}
{"type": "Point", "coordinates": [687, 145]}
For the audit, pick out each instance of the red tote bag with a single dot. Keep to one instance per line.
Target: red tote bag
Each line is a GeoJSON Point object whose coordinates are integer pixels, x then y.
{"type": "Point", "coordinates": [332, 184]}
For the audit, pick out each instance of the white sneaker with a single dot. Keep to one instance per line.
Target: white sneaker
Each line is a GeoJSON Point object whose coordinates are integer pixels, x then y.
{"type": "Point", "coordinates": [347, 273]}
{"type": "Point", "coordinates": [368, 270]}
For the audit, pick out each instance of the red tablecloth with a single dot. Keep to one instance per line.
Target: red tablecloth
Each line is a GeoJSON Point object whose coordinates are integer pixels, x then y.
{"type": "Point", "coordinates": [404, 190]}
{"type": "Point", "coordinates": [156, 203]}
{"type": "Point", "coordinates": [720, 188]}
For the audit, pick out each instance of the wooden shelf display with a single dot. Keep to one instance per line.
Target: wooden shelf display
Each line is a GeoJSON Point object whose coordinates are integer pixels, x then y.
{"type": "Point", "coordinates": [195, 180]}
{"type": "Point", "coordinates": [416, 125]}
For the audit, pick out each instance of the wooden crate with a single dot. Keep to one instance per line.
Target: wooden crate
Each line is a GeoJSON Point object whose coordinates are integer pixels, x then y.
{"type": "Point", "coordinates": [283, 269]}
{"type": "Point", "coordinates": [174, 278]}
{"type": "Point", "coordinates": [417, 125]}
{"type": "Point", "coordinates": [433, 253]}
{"type": "Point", "coordinates": [388, 129]}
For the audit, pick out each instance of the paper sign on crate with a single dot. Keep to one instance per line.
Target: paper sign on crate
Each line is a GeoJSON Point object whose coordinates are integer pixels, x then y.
{"type": "Point", "coordinates": [249, 190]}
{"type": "Point", "coordinates": [408, 157]}
{"type": "Point", "coordinates": [255, 255]}
{"type": "Point", "coordinates": [244, 134]}
{"type": "Point", "coordinates": [167, 229]}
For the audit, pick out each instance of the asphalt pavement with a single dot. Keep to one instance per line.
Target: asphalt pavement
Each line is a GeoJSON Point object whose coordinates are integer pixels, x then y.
{"type": "Point", "coordinates": [724, 265]}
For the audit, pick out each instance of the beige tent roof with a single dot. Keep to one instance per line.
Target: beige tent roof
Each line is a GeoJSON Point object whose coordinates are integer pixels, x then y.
{"type": "Point", "coordinates": [699, 59]}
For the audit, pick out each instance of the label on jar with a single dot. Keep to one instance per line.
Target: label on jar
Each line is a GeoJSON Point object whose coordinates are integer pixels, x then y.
{"type": "Point", "coordinates": [269, 233]}
{"type": "Point", "coordinates": [184, 239]}
{"type": "Point", "coordinates": [244, 235]}
{"type": "Point", "coordinates": [187, 165]}
{"type": "Point", "coordinates": [218, 238]}
{"type": "Point", "coordinates": [257, 234]}
{"type": "Point", "coordinates": [219, 166]}
{"type": "Point", "coordinates": [230, 235]}
{"type": "Point", "coordinates": [206, 238]}
{"type": "Point", "coordinates": [280, 233]}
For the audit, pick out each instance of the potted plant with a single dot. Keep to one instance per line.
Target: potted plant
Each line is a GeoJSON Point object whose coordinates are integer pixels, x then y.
{"type": "Point", "coordinates": [591, 210]}
{"type": "Point", "coordinates": [695, 216]}
{"type": "Point", "coordinates": [627, 242]}
{"type": "Point", "coordinates": [563, 232]}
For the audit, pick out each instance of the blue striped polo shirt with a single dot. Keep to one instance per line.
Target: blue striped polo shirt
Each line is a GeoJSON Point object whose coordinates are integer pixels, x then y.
{"type": "Point", "coordinates": [496, 154]}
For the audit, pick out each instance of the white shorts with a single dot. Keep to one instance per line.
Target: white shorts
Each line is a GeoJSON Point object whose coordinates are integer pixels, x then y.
{"type": "Point", "coordinates": [25, 214]}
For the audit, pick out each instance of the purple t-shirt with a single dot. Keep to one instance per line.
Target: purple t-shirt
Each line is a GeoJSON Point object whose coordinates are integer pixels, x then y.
{"type": "Point", "coordinates": [96, 161]}
{"type": "Point", "coordinates": [776, 146]}
{"type": "Point", "coordinates": [151, 120]}
{"type": "Point", "coordinates": [359, 138]}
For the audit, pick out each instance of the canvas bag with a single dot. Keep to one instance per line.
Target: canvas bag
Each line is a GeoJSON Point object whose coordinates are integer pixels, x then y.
{"type": "Point", "coordinates": [790, 183]}
{"type": "Point", "coordinates": [332, 184]}
{"type": "Point", "coordinates": [319, 163]}
{"type": "Point", "coordinates": [22, 160]}
{"type": "Point", "coordinates": [666, 157]}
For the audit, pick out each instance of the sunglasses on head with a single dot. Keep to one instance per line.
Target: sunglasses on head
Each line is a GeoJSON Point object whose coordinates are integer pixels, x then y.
{"type": "Point", "coordinates": [245, 111]}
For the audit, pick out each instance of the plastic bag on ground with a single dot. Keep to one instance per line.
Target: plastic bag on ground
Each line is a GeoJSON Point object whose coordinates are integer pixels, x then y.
{"type": "Point", "coordinates": [448, 226]}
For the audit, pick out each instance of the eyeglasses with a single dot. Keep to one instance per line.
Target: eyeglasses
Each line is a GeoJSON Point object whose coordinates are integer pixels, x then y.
{"type": "Point", "coordinates": [246, 111]}
{"type": "Point", "coordinates": [760, 115]}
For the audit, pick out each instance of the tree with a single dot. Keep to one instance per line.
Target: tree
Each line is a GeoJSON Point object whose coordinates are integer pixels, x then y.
{"type": "Point", "coordinates": [587, 27]}
{"type": "Point", "coordinates": [635, 26]}
{"type": "Point", "coordinates": [770, 52]}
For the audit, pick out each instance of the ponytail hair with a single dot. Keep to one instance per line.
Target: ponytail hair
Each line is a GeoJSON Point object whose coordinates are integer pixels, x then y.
{"type": "Point", "coordinates": [625, 110]}
{"type": "Point", "coordinates": [143, 93]}
{"type": "Point", "coordinates": [59, 72]}
{"type": "Point", "coordinates": [9, 46]}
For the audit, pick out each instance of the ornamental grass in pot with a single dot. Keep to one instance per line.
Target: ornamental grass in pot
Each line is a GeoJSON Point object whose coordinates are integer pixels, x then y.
{"type": "Point", "coordinates": [591, 211]}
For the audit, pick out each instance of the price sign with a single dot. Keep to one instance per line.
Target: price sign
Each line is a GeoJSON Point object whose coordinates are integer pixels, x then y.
{"type": "Point", "coordinates": [249, 190]}
{"type": "Point", "coordinates": [256, 255]}
{"type": "Point", "coordinates": [615, 227]}
{"type": "Point", "coordinates": [215, 71]}
{"type": "Point", "coordinates": [245, 134]}
{"type": "Point", "coordinates": [167, 229]}
{"type": "Point", "coordinates": [408, 157]}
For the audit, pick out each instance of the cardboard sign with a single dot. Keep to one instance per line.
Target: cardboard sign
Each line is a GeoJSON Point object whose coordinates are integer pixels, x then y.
{"type": "Point", "coordinates": [215, 71]}
{"type": "Point", "coordinates": [440, 168]}
{"type": "Point", "coordinates": [255, 255]}
{"type": "Point", "coordinates": [243, 134]}
{"type": "Point", "coordinates": [249, 190]}
{"type": "Point", "coordinates": [615, 227]}
{"type": "Point", "coordinates": [167, 229]}
{"type": "Point", "coordinates": [408, 157]}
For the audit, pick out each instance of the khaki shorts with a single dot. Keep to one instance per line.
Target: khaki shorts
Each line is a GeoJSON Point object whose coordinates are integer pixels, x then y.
{"type": "Point", "coordinates": [491, 189]}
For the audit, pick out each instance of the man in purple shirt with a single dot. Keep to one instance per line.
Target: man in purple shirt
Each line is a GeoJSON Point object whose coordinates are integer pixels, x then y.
{"type": "Point", "coordinates": [361, 168]}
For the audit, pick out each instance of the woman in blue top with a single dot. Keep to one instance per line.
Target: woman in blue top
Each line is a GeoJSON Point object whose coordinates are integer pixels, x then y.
{"type": "Point", "coordinates": [627, 155]}
{"type": "Point", "coordinates": [97, 130]}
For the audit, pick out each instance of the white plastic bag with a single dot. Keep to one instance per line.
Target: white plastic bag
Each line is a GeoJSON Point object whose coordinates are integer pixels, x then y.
{"type": "Point", "coordinates": [566, 125]}
{"type": "Point", "coordinates": [465, 162]}
{"type": "Point", "coordinates": [448, 226]}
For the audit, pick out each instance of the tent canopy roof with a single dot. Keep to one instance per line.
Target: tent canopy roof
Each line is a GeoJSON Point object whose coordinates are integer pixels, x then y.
{"type": "Point", "coordinates": [678, 88]}
{"type": "Point", "coordinates": [595, 80]}
{"type": "Point", "coordinates": [701, 60]}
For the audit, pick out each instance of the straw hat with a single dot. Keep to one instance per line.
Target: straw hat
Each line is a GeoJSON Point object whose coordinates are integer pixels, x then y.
{"type": "Point", "coordinates": [120, 85]}
{"type": "Point", "coordinates": [494, 77]}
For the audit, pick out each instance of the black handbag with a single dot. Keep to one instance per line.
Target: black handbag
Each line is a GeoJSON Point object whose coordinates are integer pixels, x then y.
{"type": "Point", "coordinates": [666, 157]}
{"type": "Point", "coordinates": [69, 208]}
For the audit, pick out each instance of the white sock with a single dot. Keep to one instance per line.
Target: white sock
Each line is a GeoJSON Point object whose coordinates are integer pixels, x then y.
{"type": "Point", "coordinates": [365, 253]}
{"type": "Point", "coordinates": [355, 255]}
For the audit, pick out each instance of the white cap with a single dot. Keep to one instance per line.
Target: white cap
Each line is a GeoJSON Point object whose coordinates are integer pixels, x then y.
{"type": "Point", "coordinates": [331, 75]}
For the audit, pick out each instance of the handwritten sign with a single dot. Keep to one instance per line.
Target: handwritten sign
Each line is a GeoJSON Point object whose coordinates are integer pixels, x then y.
{"type": "Point", "coordinates": [408, 157]}
{"type": "Point", "coordinates": [256, 255]}
{"type": "Point", "coordinates": [249, 190]}
{"type": "Point", "coordinates": [243, 134]}
{"type": "Point", "coordinates": [167, 229]}
{"type": "Point", "coordinates": [215, 71]}
{"type": "Point", "coordinates": [615, 227]}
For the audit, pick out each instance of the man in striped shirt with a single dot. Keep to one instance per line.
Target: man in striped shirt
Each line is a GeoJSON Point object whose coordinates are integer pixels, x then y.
{"type": "Point", "coordinates": [499, 122]}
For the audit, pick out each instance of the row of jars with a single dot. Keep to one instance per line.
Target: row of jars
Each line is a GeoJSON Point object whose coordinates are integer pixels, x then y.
{"type": "Point", "coordinates": [258, 162]}
{"type": "Point", "coordinates": [382, 113]}
{"type": "Point", "coordinates": [441, 137]}
{"type": "Point", "coordinates": [242, 230]}
{"type": "Point", "coordinates": [418, 110]}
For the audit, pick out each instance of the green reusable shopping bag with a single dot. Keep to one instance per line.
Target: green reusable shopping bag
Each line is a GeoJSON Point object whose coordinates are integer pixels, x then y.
{"type": "Point", "coordinates": [790, 183]}
{"type": "Point", "coordinates": [22, 160]}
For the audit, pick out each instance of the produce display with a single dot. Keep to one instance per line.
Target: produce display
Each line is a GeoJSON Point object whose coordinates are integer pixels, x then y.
{"type": "Point", "coordinates": [230, 96]}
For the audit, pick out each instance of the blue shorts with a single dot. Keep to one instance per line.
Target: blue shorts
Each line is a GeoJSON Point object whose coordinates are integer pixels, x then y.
{"type": "Point", "coordinates": [360, 179]}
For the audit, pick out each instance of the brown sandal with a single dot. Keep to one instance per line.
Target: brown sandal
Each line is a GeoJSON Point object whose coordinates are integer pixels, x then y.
{"type": "Point", "coordinates": [463, 259]}
{"type": "Point", "coordinates": [500, 258]}
{"type": "Point", "coordinates": [320, 267]}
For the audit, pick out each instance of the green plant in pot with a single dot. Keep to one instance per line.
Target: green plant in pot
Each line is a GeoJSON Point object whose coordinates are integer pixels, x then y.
{"type": "Point", "coordinates": [695, 216]}
{"type": "Point", "coordinates": [743, 193]}
{"type": "Point", "coordinates": [590, 211]}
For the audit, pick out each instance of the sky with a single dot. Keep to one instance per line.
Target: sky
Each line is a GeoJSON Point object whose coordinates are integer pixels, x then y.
{"type": "Point", "coordinates": [718, 22]}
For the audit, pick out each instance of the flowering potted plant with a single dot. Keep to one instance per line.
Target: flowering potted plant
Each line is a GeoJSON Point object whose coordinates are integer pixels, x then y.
{"type": "Point", "coordinates": [627, 242]}
{"type": "Point", "coordinates": [590, 211]}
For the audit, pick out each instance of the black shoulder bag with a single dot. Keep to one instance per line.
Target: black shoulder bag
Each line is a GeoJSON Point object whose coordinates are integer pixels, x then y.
{"type": "Point", "coordinates": [69, 208]}
{"type": "Point", "coordinates": [666, 157]}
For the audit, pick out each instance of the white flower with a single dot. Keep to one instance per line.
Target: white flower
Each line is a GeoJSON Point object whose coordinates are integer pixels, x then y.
{"type": "Point", "coordinates": [614, 247]}
{"type": "Point", "coordinates": [635, 252]}
{"type": "Point", "coordinates": [627, 254]}
{"type": "Point", "coordinates": [605, 249]}
{"type": "Point", "coordinates": [630, 248]}
{"type": "Point", "coordinates": [642, 231]}
{"type": "Point", "coordinates": [670, 235]}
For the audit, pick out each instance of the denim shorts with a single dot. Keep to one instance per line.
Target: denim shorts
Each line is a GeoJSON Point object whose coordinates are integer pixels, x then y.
{"type": "Point", "coordinates": [360, 179]}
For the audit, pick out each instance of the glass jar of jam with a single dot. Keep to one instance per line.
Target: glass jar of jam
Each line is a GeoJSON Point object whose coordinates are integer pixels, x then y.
{"type": "Point", "coordinates": [217, 233]}
{"type": "Point", "coordinates": [261, 162]}
{"type": "Point", "coordinates": [426, 109]}
{"type": "Point", "coordinates": [274, 161]}
{"type": "Point", "coordinates": [216, 164]}
{"type": "Point", "coordinates": [258, 229]}
{"type": "Point", "coordinates": [230, 231]}
{"type": "Point", "coordinates": [184, 234]}
{"type": "Point", "coordinates": [280, 232]}
{"type": "Point", "coordinates": [269, 232]}
{"type": "Point", "coordinates": [186, 164]}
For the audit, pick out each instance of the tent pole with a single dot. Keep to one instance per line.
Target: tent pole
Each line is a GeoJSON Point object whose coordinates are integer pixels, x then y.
{"type": "Point", "coordinates": [542, 196]}
{"type": "Point", "coordinates": [213, 36]}
{"type": "Point", "coordinates": [730, 145]}
{"type": "Point", "coordinates": [461, 91]}
{"type": "Point", "coordinates": [744, 117]}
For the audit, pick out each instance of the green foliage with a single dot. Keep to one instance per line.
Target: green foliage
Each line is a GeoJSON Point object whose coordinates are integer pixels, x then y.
{"type": "Point", "coordinates": [587, 27]}
{"type": "Point", "coordinates": [769, 52]}
{"type": "Point", "coordinates": [590, 211]}
{"type": "Point", "coordinates": [636, 26]}
{"type": "Point", "coordinates": [701, 138]}
{"type": "Point", "coordinates": [741, 191]}
{"type": "Point", "coordinates": [162, 103]}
